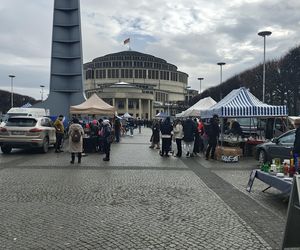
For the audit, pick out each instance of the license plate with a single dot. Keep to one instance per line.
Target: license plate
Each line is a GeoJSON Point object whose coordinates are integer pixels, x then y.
{"type": "Point", "coordinates": [17, 132]}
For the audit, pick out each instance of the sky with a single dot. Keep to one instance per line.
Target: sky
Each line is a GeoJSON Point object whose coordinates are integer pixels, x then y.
{"type": "Point", "coordinates": [194, 35]}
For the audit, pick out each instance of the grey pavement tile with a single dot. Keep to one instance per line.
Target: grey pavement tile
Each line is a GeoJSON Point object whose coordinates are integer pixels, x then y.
{"type": "Point", "coordinates": [128, 207]}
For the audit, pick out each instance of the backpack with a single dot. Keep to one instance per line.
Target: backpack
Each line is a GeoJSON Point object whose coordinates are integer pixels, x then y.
{"type": "Point", "coordinates": [76, 136]}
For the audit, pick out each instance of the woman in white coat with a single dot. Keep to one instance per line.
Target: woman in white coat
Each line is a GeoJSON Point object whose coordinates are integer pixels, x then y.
{"type": "Point", "coordinates": [76, 140]}
{"type": "Point", "coordinates": [178, 135]}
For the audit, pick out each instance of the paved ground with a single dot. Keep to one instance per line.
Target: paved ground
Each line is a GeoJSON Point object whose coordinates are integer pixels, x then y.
{"type": "Point", "coordinates": [138, 200]}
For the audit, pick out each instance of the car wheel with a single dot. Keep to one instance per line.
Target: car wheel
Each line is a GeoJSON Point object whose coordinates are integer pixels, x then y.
{"type": "Point", "coordinates": [262, 157]}
{"type": "Point", "coordinates": [6, 149]}
{"type": "Point", "coordinates": [45, 146]}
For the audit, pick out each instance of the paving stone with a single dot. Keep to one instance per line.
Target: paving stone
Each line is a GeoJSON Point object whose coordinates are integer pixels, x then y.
{"type": "Point", "coordinates": [138, 200]}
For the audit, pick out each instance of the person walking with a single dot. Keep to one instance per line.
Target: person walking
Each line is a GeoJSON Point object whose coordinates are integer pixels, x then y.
{"type": "Point", "coordinates": [197, 140]}
{"type": "Point", "coordinates": [178, 135]}
{"type": "Point", "coordinates": [107, 139]}
{"type": "Point", "coordinates": [117, 127]}
{"type": "Point", "coordinates": [76, 133]}
{"type": "Point", "coordinates": [155, 139]}
{"type": "Point", "coordinates": [139, 124]}
{"type": "Point", "coordinates": [189, 130]}
{"type": "Point", "coordinates": [213, 133]}
{"type": "Point", "coordinates": [131, 125]}
{"type": "Point", "coordinates": [59, 131]}
{"type": "Point", "coordinates": [166, 136]}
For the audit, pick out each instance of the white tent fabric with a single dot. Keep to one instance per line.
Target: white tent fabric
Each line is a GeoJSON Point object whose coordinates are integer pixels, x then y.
{"type": "Point", "coordinates": [241, 103]}
{"type": "Point", "coordinates": [93, 106]}
{"type": "Point", "coordinates": [195, 110]}
{"type": "Point", "coordinates": [126, 115]}
{"type": "Point", "coordinates": [179, 114]}
{"type": "Point", "coordinates": [161, 115]}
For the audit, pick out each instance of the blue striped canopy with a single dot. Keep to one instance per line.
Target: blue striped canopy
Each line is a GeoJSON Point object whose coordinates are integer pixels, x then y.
{"type": "Point", "coordinates": [241, 103]}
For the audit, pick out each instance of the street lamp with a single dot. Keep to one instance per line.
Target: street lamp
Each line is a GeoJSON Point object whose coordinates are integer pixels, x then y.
{"type": "Point", "coordinates": [221, 64]}
{"type": "Point", "coordinates": [200, 79]}
{"type": "Point", "coordinates": [12, 90]}
{"type": "Point", "coordinates": [42, 92]}
{"type": "Point", "coordinates": [188, 94]}
{"type": "Point", "coordinates": [264, 34]}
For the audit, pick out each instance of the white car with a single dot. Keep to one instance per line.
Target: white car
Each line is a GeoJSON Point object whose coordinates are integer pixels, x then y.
{"type": "Point", "coordinates": [27, 132]}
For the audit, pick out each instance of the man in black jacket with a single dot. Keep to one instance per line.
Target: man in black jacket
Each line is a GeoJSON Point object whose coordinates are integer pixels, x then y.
{"type": "Point", "coordinates": [166, 136]}
{"type": "Point", "coordinates": [213, 135]}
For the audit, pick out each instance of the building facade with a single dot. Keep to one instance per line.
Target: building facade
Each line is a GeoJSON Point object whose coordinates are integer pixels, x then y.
{"type": "Point", "coordinates": [140, 84]}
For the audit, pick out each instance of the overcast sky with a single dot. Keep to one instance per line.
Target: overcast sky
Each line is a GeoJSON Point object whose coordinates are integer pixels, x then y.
{"type": "Point", "coordinates": [192, 34]}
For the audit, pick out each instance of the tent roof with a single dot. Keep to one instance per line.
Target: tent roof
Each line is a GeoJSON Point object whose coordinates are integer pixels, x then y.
{"type": "Point", "coordinates": [94, 106]}
{"type": "Point", "coordinates": [127, 115]}
{"type": "Point", "coordinates": [241, 103]}
{"type": "Point", "coordinates": [162, 115]}
{"type": "Point", "coordinates": [202, 104]}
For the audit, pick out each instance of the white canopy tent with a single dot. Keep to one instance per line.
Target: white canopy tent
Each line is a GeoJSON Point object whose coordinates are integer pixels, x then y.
{"type": "Point", "coordinates": [126, 115]}
{"type": "Point", "coordinates": [196, 109]}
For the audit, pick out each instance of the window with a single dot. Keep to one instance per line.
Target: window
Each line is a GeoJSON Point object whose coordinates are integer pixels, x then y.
{"type": "Point", "coordinates": [289, 138]}
{"type": "Point", "coordinates": [21, 122]}
{"type": "Point", "coordinates": [131, 104]}
{"type": "Point", "coordinates": [121, 104]}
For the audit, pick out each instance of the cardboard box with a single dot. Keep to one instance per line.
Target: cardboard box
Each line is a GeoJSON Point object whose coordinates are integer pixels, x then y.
{"type": "Point", "coordinates": [229, 153]}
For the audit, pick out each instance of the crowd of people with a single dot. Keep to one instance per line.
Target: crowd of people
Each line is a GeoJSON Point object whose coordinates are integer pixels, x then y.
{"type": "Point", "coordinates": [101, 132]}
{"type": "Point", "coordinates": [196, 135]}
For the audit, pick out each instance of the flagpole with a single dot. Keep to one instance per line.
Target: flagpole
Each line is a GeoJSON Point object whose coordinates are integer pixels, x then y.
{"type": "Point", "coordinates": [129, 48]}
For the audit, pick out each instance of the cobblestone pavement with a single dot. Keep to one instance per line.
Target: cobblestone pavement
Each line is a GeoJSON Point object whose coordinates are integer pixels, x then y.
{"type": "Point", "coordinates": [138, 200]}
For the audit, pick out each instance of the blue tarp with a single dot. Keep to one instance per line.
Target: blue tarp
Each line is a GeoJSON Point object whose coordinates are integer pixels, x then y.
{"type": "Point", "coordinates": [241, 103]}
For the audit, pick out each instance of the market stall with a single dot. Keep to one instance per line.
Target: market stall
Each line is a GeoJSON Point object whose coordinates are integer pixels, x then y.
{"type": "Point", "coordinates": [92, 106]}
{"type": "Point", "coordinates": [241, 103]}
{"type": "Point", "coordinates": [196, 109]}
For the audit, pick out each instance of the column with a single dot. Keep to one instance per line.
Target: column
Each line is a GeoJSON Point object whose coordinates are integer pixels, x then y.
{"type": "Point", "coordinates": [152, 108]}
{"type": "Point", "coordinates": [149, 110]}
{"type": "Point", "coordinates": [140, 108]}
{"type": "Point", "coordinates": [114, 102]}
{"type": "Point", "coordinates": [126, 104]}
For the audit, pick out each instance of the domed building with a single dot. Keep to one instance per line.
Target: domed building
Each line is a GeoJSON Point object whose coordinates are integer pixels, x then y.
{"type": "Point", "coordinates": [140, 84]}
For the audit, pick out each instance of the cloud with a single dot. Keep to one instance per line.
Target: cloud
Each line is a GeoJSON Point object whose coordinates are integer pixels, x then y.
{"type": "Point", "coordinates": [192, 34]}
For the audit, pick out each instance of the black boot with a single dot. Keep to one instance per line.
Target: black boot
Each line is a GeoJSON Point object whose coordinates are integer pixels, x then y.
{"type": "Point", "coordinates": [106, 158]}
{"type": "Point", "coordinates": [79, 158]}
{"type": "Point", "coordinates": [72, 158]}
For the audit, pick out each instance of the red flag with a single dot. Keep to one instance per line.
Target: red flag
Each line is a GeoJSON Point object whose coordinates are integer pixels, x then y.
{"type": "Point", "coordinates": [127, 41]}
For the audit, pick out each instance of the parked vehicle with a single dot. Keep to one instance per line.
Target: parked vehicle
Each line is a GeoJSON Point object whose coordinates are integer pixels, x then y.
{"type": "Point", "coordinates": [34, 112]}
{"type": "Point", "coordinates": [279, 147]}
{"type": "Point", "coordinates": [27, 132]}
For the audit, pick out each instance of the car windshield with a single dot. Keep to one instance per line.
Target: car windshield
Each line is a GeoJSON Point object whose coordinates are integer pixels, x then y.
{"type": "Point", "coordinates": [21, 122]}
{"type": "Point", "coordinates": [247, 122]}
{"type": "Point", "coordinates": [287, 138]}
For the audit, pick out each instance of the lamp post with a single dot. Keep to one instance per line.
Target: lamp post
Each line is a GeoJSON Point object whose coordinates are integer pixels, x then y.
{"type": "Point", "coordinates": [42, 92]}
{"type": "Point", "coordinates": [264, 34]}
{"type": "Point", "coordinates": [188, 94]}
{"type": "Point", "coordinates": [200, 79]}
{"type": "Point", "coordinates": [12, 90]}
{"type": "Point", "coordinates": [221, 64]}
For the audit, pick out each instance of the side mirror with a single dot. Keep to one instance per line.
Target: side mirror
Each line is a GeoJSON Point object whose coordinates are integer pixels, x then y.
{"type": "Point", "coordinates": [275, 140]}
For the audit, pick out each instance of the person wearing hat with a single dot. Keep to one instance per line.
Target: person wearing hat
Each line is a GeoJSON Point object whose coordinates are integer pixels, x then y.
{"type": "Point", "coordinates": [296, 149]}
